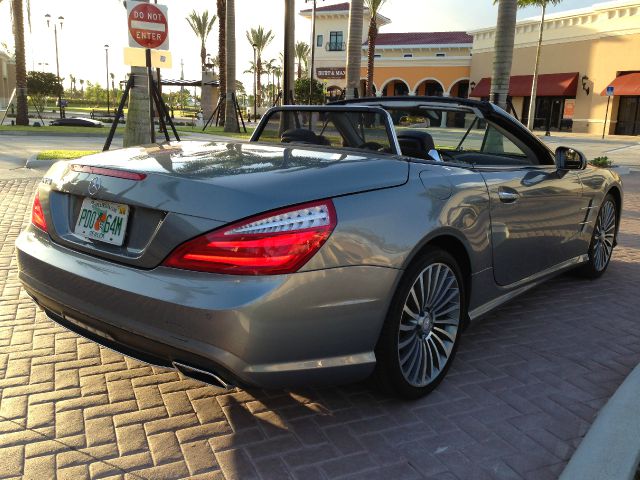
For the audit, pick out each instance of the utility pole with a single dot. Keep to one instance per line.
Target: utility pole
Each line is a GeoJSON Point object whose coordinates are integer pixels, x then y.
{"type": "Point", "coordinates": [55, 35]}
{"type": "Point", "coordinates": [106, 53]}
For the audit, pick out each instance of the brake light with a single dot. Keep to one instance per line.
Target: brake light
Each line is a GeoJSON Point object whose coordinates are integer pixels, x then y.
{"type": "Point", "coordinates": [37, 215]}
{"type": "Point", "coordinates": [109, 172]}
{"type": "Point", "coordinates": [276, 242]}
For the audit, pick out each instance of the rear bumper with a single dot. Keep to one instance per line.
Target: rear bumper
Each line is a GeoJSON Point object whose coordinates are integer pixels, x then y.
{"type": "Point", "coordinates": [316, 327]}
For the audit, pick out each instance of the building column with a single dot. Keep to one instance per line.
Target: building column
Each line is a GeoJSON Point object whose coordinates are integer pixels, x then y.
{"type": "Point", "coordinates": [443, 120]}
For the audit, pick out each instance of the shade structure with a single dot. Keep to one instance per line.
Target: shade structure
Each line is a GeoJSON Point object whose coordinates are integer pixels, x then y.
{"type": "Point", "coordinates": [625, 85]}
{"type": "Point", "coordinates": [549, 85]}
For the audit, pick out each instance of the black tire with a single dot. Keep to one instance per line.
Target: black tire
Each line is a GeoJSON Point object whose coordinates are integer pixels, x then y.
{"type": "Point", "coordinates": [596, 265]}
{"type": "Point", "coordinates": [433, 329]}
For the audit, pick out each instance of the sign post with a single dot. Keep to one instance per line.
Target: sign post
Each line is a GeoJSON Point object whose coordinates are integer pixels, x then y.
{"type": "Point", "coordinates": [610, 91]}
{"type": "Point", "coordinates": [148, 33]}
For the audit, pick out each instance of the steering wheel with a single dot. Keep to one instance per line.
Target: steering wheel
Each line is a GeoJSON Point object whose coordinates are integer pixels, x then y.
{"type": "Point", "coordinates": [372, 146]}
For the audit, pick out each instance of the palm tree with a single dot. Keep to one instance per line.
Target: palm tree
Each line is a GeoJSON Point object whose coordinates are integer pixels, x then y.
{"type": "Point", "coordinates": [374, 8]}
{"type": "Point", "coordinates": [534, 86]}
{"type": "Point", "coordinates": [259, 38]}
{"type": "Point", "coordinates": [201, 26]}
{"type": "Point", "coordinates": [288, 59]}
{"type": "Point", "coordinates": [222, 58]}
{"type": "Point", "coordinates": [22, 107]}
{"type": "Point", "coordinates": [231, 117]}
{"type": "Point", "coordinates": [81, 86]}
{"type": "Point", "coordinates": [302, 56]}
{"type": "Point", "coordinates": [269, 70]}
{"type": "Point", "coordinates": [505, 36]}
{"type": "Point", "coordinates": [72, 79]}
{"type": "Point", "coordinates": [354, 47]}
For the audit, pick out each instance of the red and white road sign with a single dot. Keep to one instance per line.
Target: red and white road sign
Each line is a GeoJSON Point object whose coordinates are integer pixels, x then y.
{"type": "Point", "coordinates": [148, 26]}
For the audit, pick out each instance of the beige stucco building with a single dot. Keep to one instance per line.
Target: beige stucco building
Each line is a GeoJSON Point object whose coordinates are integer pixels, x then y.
{"type": "Point", "coordinates": [583, 52]}
{"type": "Point", "coordinates": [407, 63]}
{"type": "Point", "coordinates": [7, 79]}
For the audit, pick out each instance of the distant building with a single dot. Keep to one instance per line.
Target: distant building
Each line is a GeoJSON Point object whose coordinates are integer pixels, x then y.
{"type": "Point", "coordinates": [407, 63]}
{"type": "Point", "coordinates": [583, 52]}
{"type": "Point", "coordinates": [7, 79]}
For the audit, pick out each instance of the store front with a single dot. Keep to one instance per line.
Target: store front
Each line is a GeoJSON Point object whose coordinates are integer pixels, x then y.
{"type": "Point", "coordinates": [626, 87]}
{"type": "Point", "coordinates": [555, 100]}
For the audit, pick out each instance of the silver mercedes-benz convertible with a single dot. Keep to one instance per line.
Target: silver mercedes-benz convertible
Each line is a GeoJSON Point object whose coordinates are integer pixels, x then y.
{"type": "Point", "coordinates": [343, 241]}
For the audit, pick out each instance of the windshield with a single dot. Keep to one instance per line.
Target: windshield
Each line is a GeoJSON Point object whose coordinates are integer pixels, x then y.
{"type": "Point", "coordinates": [355, 128]}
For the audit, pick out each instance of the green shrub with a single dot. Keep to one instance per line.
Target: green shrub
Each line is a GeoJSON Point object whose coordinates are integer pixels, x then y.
{"type": "Point", "coordinates": [602, 162]}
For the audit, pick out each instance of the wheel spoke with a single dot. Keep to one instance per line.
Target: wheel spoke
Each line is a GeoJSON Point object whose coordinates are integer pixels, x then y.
{"type": "Point", "coordinates": [429, 324]}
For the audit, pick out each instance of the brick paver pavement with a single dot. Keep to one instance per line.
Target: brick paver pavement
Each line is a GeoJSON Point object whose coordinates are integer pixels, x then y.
{"type": "Point", "coordinates": [525, 387]}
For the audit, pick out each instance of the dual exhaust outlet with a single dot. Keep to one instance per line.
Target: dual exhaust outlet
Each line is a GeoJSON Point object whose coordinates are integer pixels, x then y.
{"type": "Point", "coordinates": [204, 376]}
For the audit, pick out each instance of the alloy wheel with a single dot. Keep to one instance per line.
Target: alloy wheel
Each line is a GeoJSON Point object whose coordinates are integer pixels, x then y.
{"type": "Point", "coordinates": [429, 324]}
{"type": "Point", "coordinates": [604, 235]}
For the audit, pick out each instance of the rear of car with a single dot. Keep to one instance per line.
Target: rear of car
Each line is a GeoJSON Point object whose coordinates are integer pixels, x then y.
{"type": "Point", "coordinates": [208, 257]}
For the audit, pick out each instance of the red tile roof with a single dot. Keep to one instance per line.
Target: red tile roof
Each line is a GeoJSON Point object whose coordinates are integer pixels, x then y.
{"type": "Point", "coordinates": [338, 7]}
{"type": "Point", "coordinates": [423, 38]}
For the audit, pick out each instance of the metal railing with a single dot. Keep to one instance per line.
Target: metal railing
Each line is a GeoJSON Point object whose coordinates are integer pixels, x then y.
{"type": "Point", "coordinates": [335, 46]}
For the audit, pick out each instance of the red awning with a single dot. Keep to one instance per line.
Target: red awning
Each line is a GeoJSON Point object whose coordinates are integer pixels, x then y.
{"type": "Point", "coordinates": [627, 84]}
{"type": "Point", "coordinates": [549, 85]}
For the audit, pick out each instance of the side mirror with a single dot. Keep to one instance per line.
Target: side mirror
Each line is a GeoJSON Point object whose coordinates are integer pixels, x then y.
{"type": "Point", "coordinates": [570, 159]}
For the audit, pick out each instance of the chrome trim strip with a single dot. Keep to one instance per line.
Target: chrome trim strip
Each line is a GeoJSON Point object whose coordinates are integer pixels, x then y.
{"type": "Point", "coordinates": [525, 284]}
{"type": "Point", "coordinates": [342, 361]}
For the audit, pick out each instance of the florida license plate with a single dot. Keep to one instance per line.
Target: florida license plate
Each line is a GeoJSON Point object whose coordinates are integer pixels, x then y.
{"type": "Point", "coordinates": [102, 221]}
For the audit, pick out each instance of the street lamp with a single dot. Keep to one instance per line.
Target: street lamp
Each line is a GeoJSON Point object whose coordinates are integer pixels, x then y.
{"type": "Point", "coordinates": [106, 53]}
{"type": "Point", "coordinates": [55, 34]}
{"type": "Point", "coordinates": [255, 84]}
{"type": "Point", "coordinates": [313, 46]}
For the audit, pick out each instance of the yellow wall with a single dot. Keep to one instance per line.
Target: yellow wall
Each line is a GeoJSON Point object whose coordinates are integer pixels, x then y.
{"type": "Point", "coordinates": [599, 43]}
{"type": "Point", "coordinates": [414, 75]}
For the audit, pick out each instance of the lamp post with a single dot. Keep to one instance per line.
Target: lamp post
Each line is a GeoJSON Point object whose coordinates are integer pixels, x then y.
{"type": "Point", "coordinates": [55, 34]}
{"type": "Point", "coordinates": [106, 54]}
{"type": "Point", "coordinates": [255, 84]}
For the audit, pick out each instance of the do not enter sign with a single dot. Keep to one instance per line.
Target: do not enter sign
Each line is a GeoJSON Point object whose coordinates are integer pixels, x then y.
{"type": "Point", "coordinates": [148, 27]}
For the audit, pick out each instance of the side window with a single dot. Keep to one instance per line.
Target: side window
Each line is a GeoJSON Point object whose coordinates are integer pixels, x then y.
{"type": "Point", "coordinates": [319, 40]}
{"type": "Point", "coordinates": [498, 144]}
{"type": "Point", "coordinates": [335, 41]}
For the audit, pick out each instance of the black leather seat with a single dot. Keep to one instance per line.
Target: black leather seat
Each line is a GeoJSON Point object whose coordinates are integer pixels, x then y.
{"type": "Point", "coordinates": [303, 135]}
{"type": "Point", "coordinates": [416, 143]}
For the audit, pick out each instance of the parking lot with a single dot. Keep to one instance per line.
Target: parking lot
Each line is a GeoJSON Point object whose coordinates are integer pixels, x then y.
{"type": "Point", "coordinates": [525, 387]}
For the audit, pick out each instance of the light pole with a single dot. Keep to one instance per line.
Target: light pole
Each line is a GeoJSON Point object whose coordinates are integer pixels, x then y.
{"type": "Point", "coordinates": [255, 84]}
{"type": "Point", "coordinates": [313, 46]}
{"type": "Point", "coordinates": [55, 34]}
{"type": "Point", "coordinates": [106, 53]}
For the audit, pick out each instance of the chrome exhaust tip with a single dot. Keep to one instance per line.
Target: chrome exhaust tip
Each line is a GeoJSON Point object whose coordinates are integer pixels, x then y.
{"type": "Point", "coordinates": [202, 375]}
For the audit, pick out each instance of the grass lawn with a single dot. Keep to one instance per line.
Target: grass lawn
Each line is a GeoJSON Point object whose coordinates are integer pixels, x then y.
{"type": "Point", "coordinates": [63, 154]}
{"type": "Point", "coordinates": [218, 131]}
{"type": "Point", "coordinates": [59, 130]}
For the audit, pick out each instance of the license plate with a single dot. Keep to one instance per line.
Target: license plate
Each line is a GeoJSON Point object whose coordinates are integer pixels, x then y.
{"type": "Point", "coordinates": [102, 221]}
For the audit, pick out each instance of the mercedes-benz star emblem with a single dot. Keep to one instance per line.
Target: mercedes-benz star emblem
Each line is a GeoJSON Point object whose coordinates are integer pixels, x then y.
{"type": "Point", "coordinates": [94, 186]}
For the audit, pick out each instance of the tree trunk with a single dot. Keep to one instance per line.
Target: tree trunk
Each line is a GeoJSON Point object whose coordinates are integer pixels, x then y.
{"type": "Point", "coordinates": [22, 107]}
{"type": "Point", "coordinates": [373, 34]}
{"type": "Point", "coordinates": [137, 128]}
{"type": "Point", "coordinates": [222, 40]}
{"type": "Point", "coordinates": [231, 117]}
{"type": "Point", "coordinates": [505, 35]}
{"type": "Point", "coordinates": [203, 54]}
{"type": "Point", "coordinates": [534, 85]}
{"type": "Point", "coordinates": [354, 48]}
{"type": "Point", "coordinates": [289, 53]}
{"type": "Point", "coordinates": [258, 83]}
{"type": "Point", "coordinates": [299, 68]}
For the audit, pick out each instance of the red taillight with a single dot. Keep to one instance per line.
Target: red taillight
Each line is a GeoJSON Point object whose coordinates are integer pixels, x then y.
{"type": "Point", "coordinates": [272, 243]}
{"type": "Point", "coordinates": [37, 215]}
{"type": "Point", "coordinates": [109, 172]}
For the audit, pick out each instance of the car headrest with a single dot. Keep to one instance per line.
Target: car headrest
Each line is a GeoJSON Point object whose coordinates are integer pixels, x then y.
{"type": "Point", "coordinates": [419, 137]}
{"type": "Point", "coordinates": [303, 135]}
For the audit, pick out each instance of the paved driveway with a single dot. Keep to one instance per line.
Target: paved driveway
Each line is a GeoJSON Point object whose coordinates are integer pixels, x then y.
{"type": "Point", "coordinates": [525, 387]}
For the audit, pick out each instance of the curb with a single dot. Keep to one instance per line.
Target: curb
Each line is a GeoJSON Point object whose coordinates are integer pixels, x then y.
{"type": "Point", "coordinates": [611, 447]}
{"type": "Point", "coordinates": [33, 162]}
{"type": "Point", "coordinates": [41, 133]}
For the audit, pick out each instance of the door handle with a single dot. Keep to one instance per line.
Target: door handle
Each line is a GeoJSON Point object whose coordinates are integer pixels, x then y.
{"type": "Point", "coordinates": [507, 195]}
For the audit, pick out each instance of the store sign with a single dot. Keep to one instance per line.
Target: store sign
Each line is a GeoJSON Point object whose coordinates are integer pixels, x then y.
{"type": "Point", "coordinates": [330, 72]}
{"type": "Point", "coordinates": [569, 108]}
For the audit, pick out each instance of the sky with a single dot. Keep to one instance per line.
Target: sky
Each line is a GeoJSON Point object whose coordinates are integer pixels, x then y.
{"type": "Point", "coordinates": [90, 24]}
